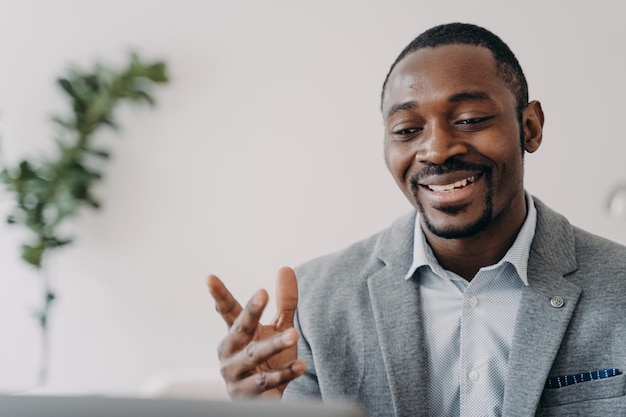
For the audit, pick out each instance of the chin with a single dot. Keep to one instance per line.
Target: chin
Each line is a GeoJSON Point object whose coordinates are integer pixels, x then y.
{"type": "Point", "coordinates": [452, 229]}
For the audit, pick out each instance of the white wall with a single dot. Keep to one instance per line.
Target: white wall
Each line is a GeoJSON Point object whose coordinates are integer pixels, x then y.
{"type": "Point", "coordinates": [265, 150]}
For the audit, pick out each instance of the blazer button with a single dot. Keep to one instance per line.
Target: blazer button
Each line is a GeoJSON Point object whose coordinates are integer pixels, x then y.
{"type": "Point", "coordinates": [557, 302]}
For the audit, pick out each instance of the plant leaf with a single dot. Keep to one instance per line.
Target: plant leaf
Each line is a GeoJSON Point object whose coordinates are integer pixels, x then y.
{"type": "Point", "coordinates": [33, 254]}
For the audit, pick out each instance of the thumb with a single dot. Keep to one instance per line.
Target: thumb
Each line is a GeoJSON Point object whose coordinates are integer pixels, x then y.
{"type": "Point", "coordinates": [286, 297]}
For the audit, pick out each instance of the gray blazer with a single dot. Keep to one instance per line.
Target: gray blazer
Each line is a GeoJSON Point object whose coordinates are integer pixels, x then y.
{"type": "Point", "coordinates": [361, 336]}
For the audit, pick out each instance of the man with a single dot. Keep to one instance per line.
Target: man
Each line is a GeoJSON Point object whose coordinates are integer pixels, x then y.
{"type": "Point", "coordinates": [483, 302]}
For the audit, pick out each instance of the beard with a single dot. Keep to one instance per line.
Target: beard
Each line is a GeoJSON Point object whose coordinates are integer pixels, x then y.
{"type": "Point", "coordinates": [468, 230]}
{"type": "Point", "coordinates": [450, 231]}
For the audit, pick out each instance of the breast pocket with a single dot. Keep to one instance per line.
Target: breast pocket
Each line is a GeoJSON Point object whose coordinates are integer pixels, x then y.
{"type": "Point", "coordinates": [585, 391]}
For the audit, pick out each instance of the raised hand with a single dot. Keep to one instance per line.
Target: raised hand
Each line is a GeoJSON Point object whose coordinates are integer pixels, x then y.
{"type": "Point", "coordinates": [258, 359]}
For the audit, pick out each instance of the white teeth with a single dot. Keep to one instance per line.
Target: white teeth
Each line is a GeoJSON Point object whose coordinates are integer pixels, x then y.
{"type": "Point", "coordinates": [450, 187]}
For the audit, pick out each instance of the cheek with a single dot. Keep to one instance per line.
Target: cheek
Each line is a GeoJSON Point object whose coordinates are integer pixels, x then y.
{"type": "Point", "coordinates": [511, 171]}
{"type": "Point", "coordinates": [398, 162]}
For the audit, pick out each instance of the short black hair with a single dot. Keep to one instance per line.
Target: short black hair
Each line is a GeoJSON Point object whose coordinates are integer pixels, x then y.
{"type": "Point", "coordinates": [468, 34]}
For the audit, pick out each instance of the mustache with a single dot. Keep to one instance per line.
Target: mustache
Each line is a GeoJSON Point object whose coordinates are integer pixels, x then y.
{"type": "Point", "coordinates": [450, 165]}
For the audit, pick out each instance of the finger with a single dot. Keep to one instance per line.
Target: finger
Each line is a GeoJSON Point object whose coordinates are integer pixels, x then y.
{"type": "Point", "coordinates": [245, 326]}
{"type": "Point", "coordinates": [256, 353]}
{"type": "Point", "coordinates": [286, 297]}
{"type": "Point", "coordinates": [260, 382]}
{"type": "Point", "coordinates": [225, 303]}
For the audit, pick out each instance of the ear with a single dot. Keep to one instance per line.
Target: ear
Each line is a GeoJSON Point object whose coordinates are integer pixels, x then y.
{"type": "Point", "coordinates": [532, 123]}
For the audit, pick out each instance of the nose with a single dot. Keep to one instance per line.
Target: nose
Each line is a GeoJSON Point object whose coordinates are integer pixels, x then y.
{"type": "Point", "coordinates": [439, 143]}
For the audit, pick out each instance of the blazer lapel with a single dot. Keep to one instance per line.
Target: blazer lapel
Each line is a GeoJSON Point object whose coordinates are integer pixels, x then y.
{"type": "Point", "coordinates": [541, 320]}
{"type": "Point", "coordinates": [395, 302]}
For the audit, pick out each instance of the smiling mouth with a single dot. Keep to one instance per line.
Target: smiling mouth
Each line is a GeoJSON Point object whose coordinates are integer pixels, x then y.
{"type": "Point", "coordinates": [454, 186]}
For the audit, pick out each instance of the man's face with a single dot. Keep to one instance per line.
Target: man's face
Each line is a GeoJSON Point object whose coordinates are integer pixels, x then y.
{"type": "Point", "coordinates": [452, 139]}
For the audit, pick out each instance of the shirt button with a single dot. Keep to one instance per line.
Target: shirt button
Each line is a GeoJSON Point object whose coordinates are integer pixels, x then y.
{"type": "Point", "coordinates": [473, 376]}
{"type": "Point", "coordinates": [473, 301]}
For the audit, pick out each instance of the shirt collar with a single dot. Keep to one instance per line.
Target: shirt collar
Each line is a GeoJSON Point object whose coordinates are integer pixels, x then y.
{"type": "Point", "coordinates": [517, 255]}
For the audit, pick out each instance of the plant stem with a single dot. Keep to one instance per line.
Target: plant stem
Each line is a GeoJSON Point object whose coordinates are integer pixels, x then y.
{"type": "Point", "coordinates": [45, 334]}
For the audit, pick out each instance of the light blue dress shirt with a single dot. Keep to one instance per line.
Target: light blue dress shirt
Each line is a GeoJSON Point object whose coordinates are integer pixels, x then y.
{"type": "Point", "coordinates": [468, 326]}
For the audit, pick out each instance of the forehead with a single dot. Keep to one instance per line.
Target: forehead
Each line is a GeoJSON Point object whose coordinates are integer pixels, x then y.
{"type": "Point", "coordinates": [445, 71]}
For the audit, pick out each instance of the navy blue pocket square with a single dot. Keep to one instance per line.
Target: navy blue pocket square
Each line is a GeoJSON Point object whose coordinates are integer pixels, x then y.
{"type": "Point", "coordinates": [563, 381]}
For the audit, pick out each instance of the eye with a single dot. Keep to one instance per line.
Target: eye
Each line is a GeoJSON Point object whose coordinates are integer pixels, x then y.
{"type": "Point", "coordinates": [407, 131]}
{"type": "Point", "coordinates": [472, 121]}
{"type": "Point", "coordinates": [474, 124]}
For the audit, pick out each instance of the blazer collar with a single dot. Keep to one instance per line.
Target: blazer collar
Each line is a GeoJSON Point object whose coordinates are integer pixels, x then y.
{"type": "Point", "coordinates": [395, 247]}
{"type": "Point", "coordinates": [554, 240]}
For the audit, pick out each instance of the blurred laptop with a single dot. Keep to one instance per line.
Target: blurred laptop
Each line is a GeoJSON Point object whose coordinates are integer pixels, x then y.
{"type": "Point", "coordinates": [103, 406]}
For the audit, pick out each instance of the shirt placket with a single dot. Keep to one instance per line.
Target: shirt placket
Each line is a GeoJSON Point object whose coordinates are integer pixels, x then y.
{"type": "Point", "coordinates": [473, 378]}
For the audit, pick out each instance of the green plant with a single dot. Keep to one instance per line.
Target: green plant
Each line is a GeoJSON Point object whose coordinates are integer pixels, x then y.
{"type": "Point", "coordinates": [50, 190]}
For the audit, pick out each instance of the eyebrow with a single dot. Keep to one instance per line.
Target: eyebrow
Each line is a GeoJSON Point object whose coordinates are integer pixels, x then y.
{"type": "Point", "coordinates": [469, 96]}
{"type": "Point", "coordinates": [407, 105]}
{"type": "Point", "coordinates": [455, 98]}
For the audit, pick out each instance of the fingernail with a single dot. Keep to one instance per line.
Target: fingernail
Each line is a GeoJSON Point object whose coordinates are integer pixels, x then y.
{"type": "Point", "coordinates": [256, 300]}
{"type": "Point", "coordinates": [297, 367]}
